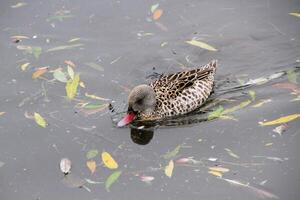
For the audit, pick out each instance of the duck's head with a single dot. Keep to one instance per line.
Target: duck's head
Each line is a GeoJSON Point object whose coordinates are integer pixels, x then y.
{"type": "Point", "coordinates": [140, 100]}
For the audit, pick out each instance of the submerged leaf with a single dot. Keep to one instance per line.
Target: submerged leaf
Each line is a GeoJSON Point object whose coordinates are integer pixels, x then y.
{"type": "Point", "coordinates": [229, 151]}
{"type": "Point", "coordinates": [94, 66]}
{"type": "Point", "coordinates": [252, 94]}
{"type": "Point", "coordinates": [18, 5]}
{"type": "Point", "coordinates": [108, 160]}
{"type": "Point", "coordinates": [216, 113]}
{"type": "Point", "coordinates": [202, 45]}
{"type": "Point", "coordinates": [169, 169]}
{"type": "Point", "coordinates": [290, 86]}
{"type": "Point", "coordinates": [147, 179]}
{"type": "Point", "coordinates": [60, 76]}
{"type": "Point", "coordinates": [262, 102]}
{"type": "Point", "coordinates": [111, 179]}
{"type": "Point", "coordinates": [71, 86]}
{"type": "Point", "coordinates": [292, 76]}
{"type": "Point", "coordinates": [92, 153]}
{"type": "Point", "coordinates": [92, 96]}
{"type": "Point", "coordinates": [280, 120]}
{"type": "Point", "coordinates": [36, 51]}
{"type": "Point", "coordinates": [64, 47]}
{"type": "Point", "coordinates": [65, 165]}
{"type": "Point", "coordinates": [172, 153]}
{"type": "Point", "coordinates": [40, 120]}
{"type": "Point", "coordinates": [157, 14]}
{"type": "Point", "coordinates": [91, 164]}
{"type": "Point", "coordinates": [238, 107]}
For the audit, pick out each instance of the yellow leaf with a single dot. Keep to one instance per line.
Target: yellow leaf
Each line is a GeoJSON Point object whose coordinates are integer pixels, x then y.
{"type": "Point", "coordinates": [268, 144]}
{"type": "Point", "coordinates": [24, 66]}
{"type": "Point", "coordinates": [157, 14]}
{"type": "Point", "coordinates": [219, 169]}
{"type": "Point", "coordinates": [108, 160]}
{"type": "Point", "coordinates": [169, 169]}
{"type": "Point", "coordinates": [39, 72]}
{"type": "Point", "coordinates": [295, 14]}
{"type": "Point", "coordinates": [216, 173]}
{"type": "Point", "coordinates": [40, 120]}
{"type": "Point", "coordinates": [262, 102]}
{"type": "Point", "coordinates": [91, 164]}
{"type": "Point", "coordinates": [71, 86]}
{"type": "Point", "coordinates": [280, 120]}
{"type": "Point", "coordinates": [202, 45]}
{"type": "Point", "coordinates": [92, 96]}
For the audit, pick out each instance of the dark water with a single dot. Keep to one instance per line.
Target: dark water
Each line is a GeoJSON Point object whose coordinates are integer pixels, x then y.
{"type": "Point", "coordinates": [254, 39]}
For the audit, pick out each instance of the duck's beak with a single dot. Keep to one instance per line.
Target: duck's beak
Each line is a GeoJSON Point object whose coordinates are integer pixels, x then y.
{"type": "Point", "coordinates": [127, 119]}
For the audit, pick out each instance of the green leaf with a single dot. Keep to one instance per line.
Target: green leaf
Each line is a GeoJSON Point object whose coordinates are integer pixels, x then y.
{"type": "Point", "coordinates": [59, 17]}
{"type": "Point", "coordinates": [172, 153]}
{"type": "Point", "coordinates": [252, 94]}
{"type": "Point", "coordinates": [238, 107]}
{"type": "Point", "coordinates": [111, 179]}
{"type": "Point", "coordinates": [71, 72]}
{"type": "Point", "coordinates": [216, 113]}
{"type": "Point", "coordinates": [94, 106]}
{"type": "Point", "coordinates": [40, 120]}
{"type": "Point", "coordinates": [60, 76]}
{"type": "Point", "coordinates": [71, 86]}
{"type": "Point", "coordinates": [292, 76]}
{"type": "Point", "coordinates": [94, 66]}
{"type": "Point", "coordinates": [36, 51]}
{"type": "Point", "coordinates": [92, 153]}
{"type": "Point", "coordinates": [154, 7]}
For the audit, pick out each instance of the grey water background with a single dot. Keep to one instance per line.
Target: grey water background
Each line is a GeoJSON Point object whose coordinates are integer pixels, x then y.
{"type": "Point", "coordinates": [254, 39]}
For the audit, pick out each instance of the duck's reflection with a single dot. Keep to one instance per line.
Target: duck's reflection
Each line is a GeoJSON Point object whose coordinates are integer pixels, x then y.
{"type": "Point", "coordinates": [141, 136]}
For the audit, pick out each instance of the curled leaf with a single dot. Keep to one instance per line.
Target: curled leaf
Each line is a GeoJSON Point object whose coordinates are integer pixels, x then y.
{"type": "Point", "coordinates": [108, 160]}
{"type": "Point", "coordinates": [111, 179]}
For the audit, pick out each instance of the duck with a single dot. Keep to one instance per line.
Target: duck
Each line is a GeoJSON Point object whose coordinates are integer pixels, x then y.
{"type": "Point", "coordinates": [170, 95]}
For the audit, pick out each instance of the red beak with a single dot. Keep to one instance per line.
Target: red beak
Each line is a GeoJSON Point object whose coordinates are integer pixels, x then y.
{"type": "Point", "coordinates": [127, 119]}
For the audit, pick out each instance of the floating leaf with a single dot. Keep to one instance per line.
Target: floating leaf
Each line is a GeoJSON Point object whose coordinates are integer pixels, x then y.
{"type": "Point", "coordinates": [70, 63]}
{"type": "Point", "coordinates": [297, 98]}
{"type": "Point", "coordinates": [92, 153]}
{"type": "Point", "coordinates": [91, 164]}
{"type": "Point", "coordinates": [92, 182]}
{"type": "Point", "coordinates": [65, 165]}
{"type": "Point", "coordinates": [39, 72]}
{"type": "Point", "coordinates": [172, 153]}
{"type": "Point", "coordinates": [280, 120]}
{"type": "Point", "coordinates": [111, 179]}
{"type": "Point", "coordinates": [81, 84]}
{"type": "Point", "coordinates": [73, 181]}
{"type": "Point", "coordinates": [94, 66]}
{"type": "Point", "coordinates": [18, 5]}
{"type": "Point", "coordinates": [108, 160]}
{"type": "Point", "coordinates": [290, 86]}
{"type": "Point", "coordinates": [238, 107]}
{"type": "Point", "coordinates": [262, 102]}
{"type": "Point", "coordinates": [71, 86]}
{"type": "Point", "coordinates": [154, 7]}
{"type": "Point", "coordinates": [229, 151]}
{"type": "Point", "coordinates": [93, 106]}
{"type": "Point", "coordinates": [292, 76]}
{"type": "Point", "coordinates": [252, 94]}
{"type": "Point", "coordinates": [59, 17]}
{"type": "Point", "coordinates": [36, 51]}
{"type": "Point", "coordinates": [157, 14]}
{"type": "Point", "coordinates": [64, 47]}
{"type": "Point", "coordinates": [71, 72]}
{"type": "Point", "coordinates": [216, 113]}
{"type": "Point", "coordinates": [74, 40]}
{"type": "Point", "coordinates": [2, 113]}
{"type": "Point", "coordinates": [216, 173]}
{"type": "Point", "coordinates": [24, 66]}
{"type": "Point", "coordinates": [268, 144]}
{"type": "Point", "coordinates": [202, 45]}
{"type": "Point", "coordinates": [169, 169]}
{"type": "Point", "coordinates": [228, 117]}
{"type": "Point", "coordinates": [219, 169]}
{"type": "Point", "coordinates": [40, 120]}
{"type": "Point", "coordinates": [92, 96]}
{"type": "Point", "coordinates": [147, 179]}
{"type": "Point", "coordinates": [60, 76]}
{"type": "Point", "coordinates": [296, 14]}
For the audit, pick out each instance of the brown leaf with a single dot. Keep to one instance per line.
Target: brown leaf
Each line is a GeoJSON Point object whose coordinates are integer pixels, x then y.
{"type": "Point", "coordinates": [290, 86]}
{"type": "Point", "coordinates": [157, 14]}
{"type": "Point", "coordinates": [39, 72]}
{"type": "Point", "coordinates": [70, 63]}
{"type": "Point", "coordinates": [91, 164]}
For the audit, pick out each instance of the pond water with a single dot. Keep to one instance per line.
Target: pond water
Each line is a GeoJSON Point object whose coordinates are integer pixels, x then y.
{"type": "Point", "coordinates": [115, 45]}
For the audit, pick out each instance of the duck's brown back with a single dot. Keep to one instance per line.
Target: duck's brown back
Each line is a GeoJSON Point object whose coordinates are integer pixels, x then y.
{"type": "Point", "coordinates": [182, 92]}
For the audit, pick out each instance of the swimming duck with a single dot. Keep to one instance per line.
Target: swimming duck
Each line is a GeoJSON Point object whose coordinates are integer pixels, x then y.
{"type": "Point", "coordinates": [171, 95]}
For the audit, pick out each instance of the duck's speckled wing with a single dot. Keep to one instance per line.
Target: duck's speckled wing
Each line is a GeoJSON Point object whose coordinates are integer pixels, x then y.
{"type": "Point", "coordinates": [185, 91]}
